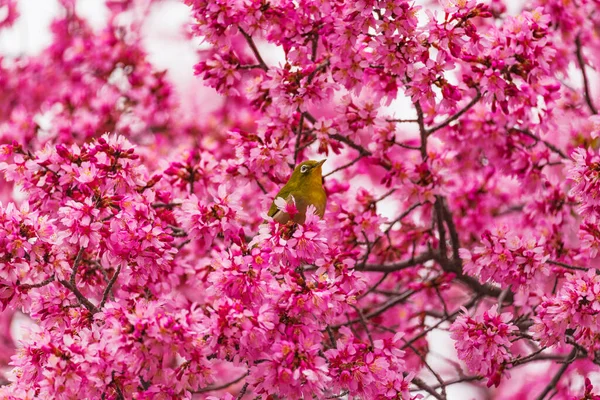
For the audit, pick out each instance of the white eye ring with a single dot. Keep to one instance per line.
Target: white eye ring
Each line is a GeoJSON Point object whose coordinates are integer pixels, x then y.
{"type": "Point", "coordinates": [304, 168]}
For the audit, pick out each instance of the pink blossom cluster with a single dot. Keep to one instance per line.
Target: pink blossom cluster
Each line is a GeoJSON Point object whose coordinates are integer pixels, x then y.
{"type": "Point", "coordinates": [117, 356]}
{"type": "Point", "coordinates": [507, 258]}
{"type": "Point", "coordinates": [484, 343]}
{"type": "Point", "coordinates": [461, 142]}
{"type": "Point", "coordinates": [572, 313]}
{"type": "Point", "coordinates": [370, 371]}
{"type": "Point", "coordinates": [584, 174]}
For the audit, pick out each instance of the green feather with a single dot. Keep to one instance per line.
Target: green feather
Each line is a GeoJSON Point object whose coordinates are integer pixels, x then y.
{"type": "Point", "coordinates": [307, 189]}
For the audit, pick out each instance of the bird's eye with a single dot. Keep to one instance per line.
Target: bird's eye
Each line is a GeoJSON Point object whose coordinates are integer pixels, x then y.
{"type": "Point", "coordinates": [304, 168]}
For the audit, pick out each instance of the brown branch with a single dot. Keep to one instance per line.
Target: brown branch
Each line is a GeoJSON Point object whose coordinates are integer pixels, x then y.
{"type": "Point", "coordinates": [420, 259]}
{"type": "Point", "coordinates": [37, 285]}
{"type": "Point", "coordinates": [250, 66]}
{"type": "Point", "coordinates": [441, 228]}
{"type": "Point", "coordinates": [455, 116]}
{"type": "Point", "coordinates": [108, 289]}
{"type": "Point", "coordinates": [363, 322]}
{"type": "Point", "coordinates": [71, 285]}
{"type": "Point", "coordinates": [402, 216]}
{"type": "Point", "coordinates": [319, 68]}
{"type": "Point", "coordinates": [386, 306]}
{"type": "Point", "coordinates": [460, 380]}
{"type": "Point", "coordinates": [402, 120]}
{"type": "Point", "coordinates": [586, 84]}
{"type": "Point", "coordinates": [565, 265]}
{"type": "Point", "coordinates": [120, 395]}
{"type": "Point", "coordinates": [242, 391]}
{"type": "Point", "coordinates": [552, 384]}
{"type": "Point", "coordinates": [345, 165]}
{"type": "Point", "coordinates": [423, 386]}
{"type": "Point", "coordinates": [422, 130]}
{"type": "Point", "coordinates": [223, 386]}
{"type": "Point", "coordinates": [337, 396]}
{"type": "Point", "coordinates": [454, 239]}
{"type": "Point", "coordinates": [375, 286]}
{"type": "Point", "coordinates": [549, 145]}
{"type": "Point", "coordinates": [435, 374]}
{"type": "Point", "coordinates": [468, 305]}
{"type": "Point", "coordinates": [165, 205]}
{"type": "Point", "coordinates": [252, 45]}
{"type": "Point", "coordinates": [350, 143]}
{"type": "Point", "coordinates": [298, 138]}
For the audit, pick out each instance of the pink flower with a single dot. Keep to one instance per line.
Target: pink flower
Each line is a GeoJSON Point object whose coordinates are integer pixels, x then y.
{"type": "Point", "coordinates": [484, 343]}
{"type": "Point", "coordinates": [573, 311]}
{"type": "Point", "coordinates": [507, 258]}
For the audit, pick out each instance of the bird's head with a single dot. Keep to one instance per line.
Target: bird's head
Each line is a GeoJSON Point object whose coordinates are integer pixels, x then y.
{"type": "Point", "coordinates": [308, 172]}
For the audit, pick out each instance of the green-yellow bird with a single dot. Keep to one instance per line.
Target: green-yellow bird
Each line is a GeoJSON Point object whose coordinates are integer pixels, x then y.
{"type": "Point", "coordinates": [306, 186]}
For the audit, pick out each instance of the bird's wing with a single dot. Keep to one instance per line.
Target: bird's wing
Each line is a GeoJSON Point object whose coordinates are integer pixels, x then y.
{"type": "Point", "coordinates": [276, 213]}
{"type": "Point", "coordinates": [285, 192]}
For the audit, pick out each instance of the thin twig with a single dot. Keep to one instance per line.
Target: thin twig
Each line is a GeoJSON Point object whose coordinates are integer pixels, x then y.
{"type": "Point", "coordinates": [37, 285]}
{"type": "Point", "coordinates": [552, 384]}
{"type": "Point", "coordinates": [422, 130]}
{"type": "Point", "coordinates": [242, 391]}
{"type": "Point", "coordinates": [441, 228]}
{"type": "Point", "coordinates": [386, 306]}
{"type": "Point", "coordinates": [223, 386]}
{"type": "Point", "coordinates": [413, 261]}
{"type": "Point", "coordinates": [319, 68]}
{"type": "Point", "coordinates": [449, 317]}
{"type": "Point", "coordinates": [549, 145]}
{"type": "Point", "coordinates": [423, 386]}
{"type": "Point", "coordinates": [260, 186]}
{"type": "Point", "coordinates": [402, 216]}
{"type": "Point", "coordinates": [454, 239]}
{"type": "Point", "coordinates": [460, 380]}
{"type": "Point", "coordinates": [375, 286]}
{"type": "Point", "coordinates": [350, 143]}
{"type": "Point", "coordinates": [165, 205]}
{"type": "Point", "coordinates": [337, 396]}
{"type": "Point", "coordinates": [565, 265]}
{"type": "Point", "coordinates": [363, 323]}
{"type": "Point", "coordinates": [252, 45]}
{"type": "Point", "coordinates": [250, 66]}
{"type": "Point", "coordinates": [345, 166]}
{"type": "Point", "coordinates": [76, 265]}
{"type": "Point", "coordinates": [435, 374]}
{"type": "Point", "coordinates": [298, 138]}
{"type": "Point", "coordinates": [402, 120]}
{"type": "Point", "coordinates": [586, 84]}
{"type": "Point", "coordinates": [71, 285]}
{"type": "Point", "coordinates": [108, 289]}
{"type": "Point", "coordinates": [457, 115]}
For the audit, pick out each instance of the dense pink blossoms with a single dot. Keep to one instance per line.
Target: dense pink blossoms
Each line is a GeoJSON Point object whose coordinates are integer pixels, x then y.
{"type": "Point", "coordinates": [484, 342]}
{"type": "Point", "coordinates": [137, 259]}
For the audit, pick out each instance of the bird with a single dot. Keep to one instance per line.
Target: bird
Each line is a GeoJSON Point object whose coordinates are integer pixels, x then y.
{"type": "Point", "coordinates": [306, 186]}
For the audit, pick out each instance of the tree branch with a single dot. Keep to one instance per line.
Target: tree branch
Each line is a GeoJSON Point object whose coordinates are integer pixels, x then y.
{"type": "Point", "coordinates": [252, 45]}
{"type": "Point", "coordinates": [457, 115]}
{"type": "Point", "coordinates": [360, 156]}
{"type": "Point", "coordinates": [549, 145]}
{"type": "Point", "coordinates": [37, 285]}
{"type": "Point", "coordinates": [108, 289]}
{"type": "Point", "coordinates": [422, 130]}
{"type": "Point", "coordinates": [565, 265]}
{"type": "Point", "coordinates": [423, 386]}
{"type": "Point", "coordinates": [586, 84]}
{"type": "Point", "coordinates": [223, 386]}
{"type": "Point", "coordinates": [552, 384]}
{"type": "Point", "coordinates": [420, 259]}
{"type": "Point", "coordinates": [71, 285]}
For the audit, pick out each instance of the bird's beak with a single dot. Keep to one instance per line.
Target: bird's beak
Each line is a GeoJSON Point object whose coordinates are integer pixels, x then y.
{"type": "Point", "coordinates": [321, 162]}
